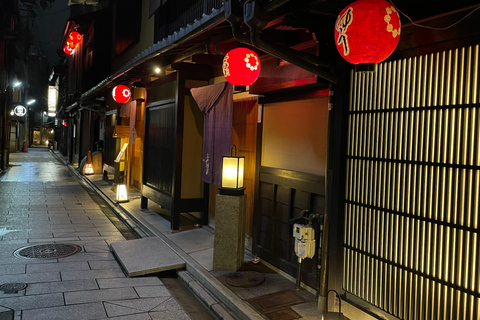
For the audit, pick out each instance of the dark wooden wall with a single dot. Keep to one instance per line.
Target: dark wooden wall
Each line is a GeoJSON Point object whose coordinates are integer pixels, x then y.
{"type": "Point", "coordinates": [283, 194]}
{"type": "Point", "coordinates": [160, 146]}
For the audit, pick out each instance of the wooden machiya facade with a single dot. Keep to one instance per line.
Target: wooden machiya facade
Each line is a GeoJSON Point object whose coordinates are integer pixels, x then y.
{"type": "Point", "coordinates": [411, 228]}
{"type": "Point", "coordinates": [173, 145]}
{"type": "Point", "coordinates": [369, 150]}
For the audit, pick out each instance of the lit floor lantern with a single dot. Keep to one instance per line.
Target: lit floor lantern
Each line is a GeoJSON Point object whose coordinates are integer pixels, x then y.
{"type": "Point", "coordinates": [232, 174]}
{"type": "Point", "coordinates": [89, 164]}
{"type": "Point", "coordinates": [122, 195]}
{"type": "Point", "coordinates": [367, 32]}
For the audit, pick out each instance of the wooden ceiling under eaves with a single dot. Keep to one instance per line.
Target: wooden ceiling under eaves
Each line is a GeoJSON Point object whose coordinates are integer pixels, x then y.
{"type": "Point", "coordinates": [293, 24]}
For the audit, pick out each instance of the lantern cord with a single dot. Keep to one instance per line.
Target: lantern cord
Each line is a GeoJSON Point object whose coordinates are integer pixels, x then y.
{"type": "Point", "coordinates": [435, 28]}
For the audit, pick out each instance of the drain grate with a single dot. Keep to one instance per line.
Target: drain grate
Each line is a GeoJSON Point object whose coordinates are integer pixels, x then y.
{"type": "Point", "coordinates": [12, 287]}
{"type": "Point", "coordinates": [284, 314]}
{"type": "Point", "coordinates": [47, 251]}
{"type": "Point", "coordinates": [275, 301]}
{"type": "Point", "coordinates": [245, 279]}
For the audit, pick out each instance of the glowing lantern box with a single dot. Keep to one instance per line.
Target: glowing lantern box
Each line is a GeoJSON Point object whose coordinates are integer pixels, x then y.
{"type": "Point", "coordinates": [121, 93]}
{"type": "Point", "coordinates": [367, 32]}
{"type": "Point", "coordinates": [89, 164]}
{"type": "Point", "coordinates": [241, 66]}
{"type": "Point", "coordinates": [232, 175]}
{"type": "Point", "coordinates": [121, 193]}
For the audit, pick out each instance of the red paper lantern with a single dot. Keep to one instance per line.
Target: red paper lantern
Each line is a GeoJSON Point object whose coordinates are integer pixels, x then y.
{"type": "Point", "coordinates": [367, 31]}
{"type": "Point", "coordinates": [68, 50]}
{"type": "Point", "coordinates": [121, 93]}
{"type": "Point", "coordinates": [72, 45]}
{"type": "Point", "coordinates": [75, 37]}
{"type": "Point", "coordinates": [241, 66]}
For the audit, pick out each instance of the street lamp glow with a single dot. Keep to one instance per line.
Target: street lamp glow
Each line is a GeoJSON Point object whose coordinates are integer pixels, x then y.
{"type": "Point", "coordinates": [16, 84]}
{"type": "Point", "coordinates": [31, 101]}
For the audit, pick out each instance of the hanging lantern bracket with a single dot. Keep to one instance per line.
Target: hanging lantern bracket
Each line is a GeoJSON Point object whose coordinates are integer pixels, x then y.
{"type": "Point", "coordinates": [253, 18]}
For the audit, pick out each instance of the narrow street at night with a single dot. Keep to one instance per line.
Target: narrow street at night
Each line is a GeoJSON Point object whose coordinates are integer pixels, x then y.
{"type": "Point", "coordinates": [239, 160]}
{"type": "Point", "coordinates": [55, 261]}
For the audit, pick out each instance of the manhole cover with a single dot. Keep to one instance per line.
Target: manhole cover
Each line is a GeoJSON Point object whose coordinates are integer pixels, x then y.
{"type": "Point", "coordinates": [12, 287]}
{"type": "Point", "coordinates": [245, 279]}
{"type": "Point", "coordinates": [47, 251]}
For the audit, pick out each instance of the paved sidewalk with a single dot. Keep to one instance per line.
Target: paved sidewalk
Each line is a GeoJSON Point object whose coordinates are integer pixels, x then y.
{"type": "Point", "coordinates": [41, 203]}
{"type": "Point", "coordinates": [195, 246]}
{"type": "Point", "coordinates": [90, 284]}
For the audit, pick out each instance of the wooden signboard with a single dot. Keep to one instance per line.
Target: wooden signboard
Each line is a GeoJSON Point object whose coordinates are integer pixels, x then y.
{"type": "Point", "coordinates": [120, 154]}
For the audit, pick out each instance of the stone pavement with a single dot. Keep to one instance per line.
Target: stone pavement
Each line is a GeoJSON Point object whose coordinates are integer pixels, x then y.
{"type": "Point", "coordinates": [42, 203]}
{"type": "Point", "coordinates": [195, 245]}
{"type": "Point", "coordinates": [53, 206]}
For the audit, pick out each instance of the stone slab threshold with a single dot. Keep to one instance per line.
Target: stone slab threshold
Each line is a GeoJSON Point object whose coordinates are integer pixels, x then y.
{"type": "Point", "coordinates": [146, 256]}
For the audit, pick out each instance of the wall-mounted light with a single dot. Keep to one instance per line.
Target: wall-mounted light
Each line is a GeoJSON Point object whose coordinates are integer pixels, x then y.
{"type": "Point", "coordinates": [158, 70]}
{"type": "Point", "coordinates": [89, 164]}
{"type": "Point", "coordinates": [17, 83]}
{"type": "Point", "coordinates": [20, 111]}
{"type": "Point", "coordinates": [31, 101]}
{"type": "Point", "coordinates": [52, 98]}
{"type": "Point", "coordinates": [232, 174]}
{"type": "Point", "coordinates": [122, 195]}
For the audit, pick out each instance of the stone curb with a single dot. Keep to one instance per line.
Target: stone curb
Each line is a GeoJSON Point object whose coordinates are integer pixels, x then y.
{"type": "Point", "coordinates": [142, 230]}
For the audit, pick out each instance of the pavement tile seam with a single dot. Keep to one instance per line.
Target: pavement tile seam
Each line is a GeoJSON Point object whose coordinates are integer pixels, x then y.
{"type": "Point", "coordinates": [147, 304]}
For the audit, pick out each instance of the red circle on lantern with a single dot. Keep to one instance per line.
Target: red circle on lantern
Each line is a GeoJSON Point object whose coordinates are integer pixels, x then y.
{"type": "Point", "coordinates": [367, 31]}
{"type": "Point", "coordinates": [75, 37]}
{"type": "Point", "coordinates": [68, 50]}
{"type": "Point", "coordinates": [241, 66]}
{"type": "Point", "coordinates": [121, 93]}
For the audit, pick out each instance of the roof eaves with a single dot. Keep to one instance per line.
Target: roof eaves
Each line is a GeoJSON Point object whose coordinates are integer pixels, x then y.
{"type": "Point", "coordinates": [178, 37]}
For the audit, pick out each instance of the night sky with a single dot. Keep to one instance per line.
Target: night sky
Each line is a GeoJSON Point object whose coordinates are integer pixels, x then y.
{"type": "Point", "coordinates": [48, 27]}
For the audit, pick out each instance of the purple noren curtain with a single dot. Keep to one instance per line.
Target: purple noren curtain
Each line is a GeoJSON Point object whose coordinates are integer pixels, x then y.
{"type": "Point", "coordinates": [216, 102]}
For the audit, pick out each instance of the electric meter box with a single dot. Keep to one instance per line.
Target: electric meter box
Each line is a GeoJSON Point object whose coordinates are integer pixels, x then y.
{"type": "Point", "coordinates": [304, 240]}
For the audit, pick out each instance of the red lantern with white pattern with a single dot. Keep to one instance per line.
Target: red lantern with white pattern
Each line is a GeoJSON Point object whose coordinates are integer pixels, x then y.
{"type": "Point", "coordinates": [367, 32]}
{"type": "Point", "coordinates": [241, 66]}
{"type": "Point", "coordinates": [121, 93]}
{"type": "Point", "coordinates": [72, 45]}
{"type": "Point", "coordinates": [68, 50]}
{"type": "Point", "coordinates": [75, 37]}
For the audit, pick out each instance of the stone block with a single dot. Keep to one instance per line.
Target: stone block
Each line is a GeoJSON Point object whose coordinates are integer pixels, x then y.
{"type": "Point", "coordinates": [145, 256]}
{"type": "Point", "coordinates": [229, 241]}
